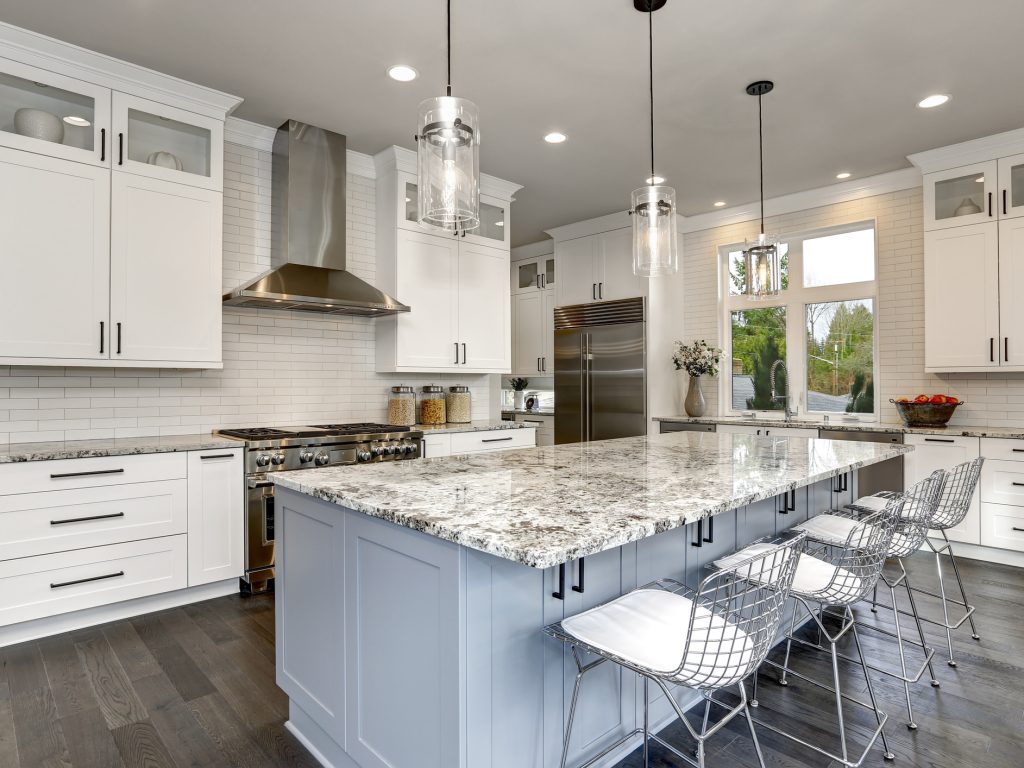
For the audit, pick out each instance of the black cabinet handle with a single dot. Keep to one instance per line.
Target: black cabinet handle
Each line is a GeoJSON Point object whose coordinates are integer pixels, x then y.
{"type": "Point", "coordinates": [495, 439]}
{"type": "Point", "coordinates": [538, 365]}
{"type": "Point", "coordinates": [423, 449]}
{"type": "Point", "coordinates": [217, 456]}
{"type": "Point", "coordinates": [1017, 450]}
{"type": "Point", "coordinates": [600, 290]}
{"type": "Point", "coordinates": [463, 353]}
{"type": "Point", "coordinates": [94, 472]}
{"type": "Point", "coordinates": [1004, 202]}
{"type": "Point", "coordinates": [103, 145]}
{"type": "Point", "coordinates": [120, 149]}
{"type": "Point", "coordinates": [86, 519]}
{"type": "Point", "coordinates": [1006, 349]}
{"type": "Point", "coordinates": [791, 506]}
{"type": "Point", "coordinates": [846, 481]}
{"type": "Point", "coordinates": [700, 534]}
{"type": "Point", "coordinates": [991, 350]}
{"type": "Point", "coordinates": [560, 593]}
{"type": "Point", "coordinates": [101, 337]}
{"type": "Point", "coordinates": [456, 353]}
{"type": "Point", "coordinates": [119, 338]}
{"type": "Point", "coordinates": [579, 587]}
{"type": "Point", "coordinates": [989, 203]}
{"type": "Point", "coordinates": [1018, 484]}
{"type": "Point", "coordinates": [788, 502]}
{"type": "Point", "coordinates": [710, 538]}
{"type": "Point", "coordinates": [60, 584]}
{"type": "Point", "coordinates": [939, 440]}
{"type": "Point", "coordinates": [593, 291]}
{"type": "Point", "coordinates": [1021, 530]}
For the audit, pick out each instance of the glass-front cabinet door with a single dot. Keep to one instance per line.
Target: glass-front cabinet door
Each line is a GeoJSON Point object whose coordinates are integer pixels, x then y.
{"type": "Point", "coordinates": [493, 228]}
{"type": "Point", "coordinates": [1011, 187]}
{"type": "Point", "coordinates": [49, 114]}
{"type": "Point", "coordinates": [960, 196]}
{"type": "Point", "coordinates": [533, 275]}
{"type": "Point", "coordinates": [152, 139]}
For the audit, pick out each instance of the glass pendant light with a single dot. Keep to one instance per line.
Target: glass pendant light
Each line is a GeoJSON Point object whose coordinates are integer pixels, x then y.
{"type": "Point", "coordinates": [762, 261]}
{"type": "Point", "coordinates": [653, 208]}
{"type": "Point", "coordinates": [448, 158]}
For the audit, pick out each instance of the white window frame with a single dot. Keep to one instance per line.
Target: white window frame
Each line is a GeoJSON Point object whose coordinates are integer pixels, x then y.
{"type": "Point", "coordinates": [795, 299]}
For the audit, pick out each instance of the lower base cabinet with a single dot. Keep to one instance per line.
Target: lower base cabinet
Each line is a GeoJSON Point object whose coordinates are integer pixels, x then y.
{"type": "Point", "coordinates": [454, 443]}
{"type": "Point", "coordinates": [933, 452]}
{"type": "Point", "coordinates": [216, 523]}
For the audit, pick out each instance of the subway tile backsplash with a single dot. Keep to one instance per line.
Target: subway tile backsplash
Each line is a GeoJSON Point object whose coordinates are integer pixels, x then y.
{"type": "Point", "coordinates": [279, 367]}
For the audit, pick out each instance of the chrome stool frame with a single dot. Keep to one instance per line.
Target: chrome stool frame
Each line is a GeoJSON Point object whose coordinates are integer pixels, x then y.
{"type": "Point", "coordinates": [855, 566]}
{"type": "Point", "coordinates": [734, 618]}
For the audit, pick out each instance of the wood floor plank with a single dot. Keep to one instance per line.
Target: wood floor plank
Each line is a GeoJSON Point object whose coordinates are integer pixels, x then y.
{"type": "Point", "coordinates": [188, 744]}
{"type": "Point", "coordinates": [40, 739]}
{"type": "Point", "coordinates": [23, 668]}
{"type": "Point", "coordinates": [140, 746]}
{"type": "Point", "coordinates": [211, 621]}
{"type": "Point", "coordinates": [115, 695]}
{"type": "Point", "coordinates": [174, 662]}
{"type": "Point", "coordinates": [8, 741]}
{"type": "Point", "coordinates": [133, 654]}
{"type": "Point", "coordinates": [69, 683]}
{"type": "Point", "coordinates": [223, 726]}
{"type": "Point", "coordinates": [90, 743]}
{"type": "Point", "coordinates": [284, 749]}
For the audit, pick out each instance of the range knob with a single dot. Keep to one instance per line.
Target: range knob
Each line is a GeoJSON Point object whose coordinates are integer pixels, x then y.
{"type": "Point", "coordinates": [263, 460]}
{"type": "Point", "coordinates": [408, 448]}
{"type": "Point", "coordinates": [322, 458]}
{"type": "Point", "coordinates": [305, 456]}
{"type": "Point", "coordinates": [363, 455]}
{"type": "Point", "coordinates": [277, 459]}
{"type": "Point", "coordinates": [378, 450]}
{"type": "Point", "coordinates": [391, 450]}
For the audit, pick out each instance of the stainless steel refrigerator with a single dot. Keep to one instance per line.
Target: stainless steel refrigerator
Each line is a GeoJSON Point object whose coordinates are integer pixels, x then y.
{"type": "Point", "coordinates": [600, 371]}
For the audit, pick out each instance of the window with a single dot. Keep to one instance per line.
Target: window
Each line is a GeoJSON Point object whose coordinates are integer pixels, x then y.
{"type": "Point", "coordinates": [814, 343]}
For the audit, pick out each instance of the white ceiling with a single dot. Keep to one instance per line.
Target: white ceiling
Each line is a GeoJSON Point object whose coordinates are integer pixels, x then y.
{"type": "Point", "coordinates": [848, 75]}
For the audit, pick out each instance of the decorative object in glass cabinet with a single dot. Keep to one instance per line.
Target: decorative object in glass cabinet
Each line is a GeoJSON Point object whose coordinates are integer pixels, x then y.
{"type": "Point", "coordinates": [167, 143]}
{"type": "Point", "coordinates": [961, 196]}
{"type": "Point", "coordinates": [527, 275]}
{"type": "Point", "coordinates": [45, 112]}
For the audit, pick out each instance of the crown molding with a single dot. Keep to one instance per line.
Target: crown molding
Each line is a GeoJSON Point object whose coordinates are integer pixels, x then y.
{"type": "Point", "coordinates": [37, 50]}
{"type": "Point", "coordinates": [606, 223]}
{"type": "Point", "coordinates": [395, 158]}
{"type": "Point", "coordinates": [532, 250]}
{"type": "Point", "coordinates": [969, 152]}
{"type": "Point", "coordinates": [261, 137]}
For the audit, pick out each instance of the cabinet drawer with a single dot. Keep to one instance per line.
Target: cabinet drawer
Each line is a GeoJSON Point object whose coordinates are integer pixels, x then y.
{"type": "Point", "coordinates": [1002, 449]}
{"type": "Point", "coordinates": [436, 446]}
{"type": "Point", "coordinates": [63, 474]}
{"type": "Point", "coordinates": [54, 521]}
{"type": "Point", "coordinates": [35, 587]}
{"type": "Point", "coordinates": [1002, 482]}
{"type": "Point", "coordinates": [1002, 526]}
{"type": "Point", "coordinates": [492, 440]}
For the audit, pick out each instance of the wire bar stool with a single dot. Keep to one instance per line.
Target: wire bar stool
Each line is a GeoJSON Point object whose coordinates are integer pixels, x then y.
{"type": "Point", "coordinates": [709, 639]}
{"type": "Point", "coordinates": [919, 509]}
{"type": "Point", "coordinates": [836, 577]}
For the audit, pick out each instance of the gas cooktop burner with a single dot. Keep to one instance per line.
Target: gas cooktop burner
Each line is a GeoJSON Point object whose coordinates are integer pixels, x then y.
{"type": "Point", "coordinates": [255, 433]}
{"type": "Point", "coordinates": [359, 429]}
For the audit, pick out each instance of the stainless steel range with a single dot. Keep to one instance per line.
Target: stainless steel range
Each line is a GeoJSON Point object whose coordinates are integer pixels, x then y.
{"type": "Point", "coordinates": [279, 449]}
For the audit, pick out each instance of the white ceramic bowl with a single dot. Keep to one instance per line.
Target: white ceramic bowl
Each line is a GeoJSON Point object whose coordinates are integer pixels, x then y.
{"type": "Point", "coordinates": [164, 160]}
{"type": "Point", "coordinates": [39, 124]}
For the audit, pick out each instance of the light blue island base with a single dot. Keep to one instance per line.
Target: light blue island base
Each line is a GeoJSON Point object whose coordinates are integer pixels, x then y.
{"type": "Point", "coordinates": [399, 649]}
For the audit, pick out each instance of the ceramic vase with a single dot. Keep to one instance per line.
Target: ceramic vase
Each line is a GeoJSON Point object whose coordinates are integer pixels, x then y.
{"type": "Point", "coordinates": [520, 401]}
{"type": "Point", "coordinates": [695, 404]}
{"type": "Point", "coordinates": [39, 124]}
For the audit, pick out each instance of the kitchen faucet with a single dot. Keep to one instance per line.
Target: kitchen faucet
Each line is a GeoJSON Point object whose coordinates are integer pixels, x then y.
{"type": "Point", "coordinates": [790, 413]}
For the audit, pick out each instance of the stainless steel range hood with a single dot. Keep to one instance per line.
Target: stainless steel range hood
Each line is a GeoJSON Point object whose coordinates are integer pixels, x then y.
{"type": "Point", "coordinates": [308, 233]}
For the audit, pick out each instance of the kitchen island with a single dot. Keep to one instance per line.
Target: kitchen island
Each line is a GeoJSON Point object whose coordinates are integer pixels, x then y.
{"type": "Point", "coordinates": [410, 596]}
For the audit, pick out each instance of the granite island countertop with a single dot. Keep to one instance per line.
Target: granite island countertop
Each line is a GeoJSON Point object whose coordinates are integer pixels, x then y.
{"type": "Point", "coordinates": [544, 506]}
{"type": "Point", "coordinates": [849, 426]}
{"type": "Point", "coordinates": [118, 446]}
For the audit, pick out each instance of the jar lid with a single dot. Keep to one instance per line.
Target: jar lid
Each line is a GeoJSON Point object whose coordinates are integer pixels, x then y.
{"type": "Point", "coordinates": [402, 389]}
{"type": "Point", "coordinates": [459, 388]}
{"type": "Point", "coordinates": [432, 388]}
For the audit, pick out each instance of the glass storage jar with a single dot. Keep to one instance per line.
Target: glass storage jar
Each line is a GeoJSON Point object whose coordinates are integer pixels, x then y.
{"type": "Point", "coordinates": [460, 405]}
{"type": "Point", "coordinates": [432, 406]}
{"type": "Point", "coordinates": [402, 406]}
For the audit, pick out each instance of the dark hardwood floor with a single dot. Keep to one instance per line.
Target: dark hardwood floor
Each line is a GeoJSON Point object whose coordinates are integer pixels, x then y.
{"type": "Point", "coordinates": [194, 687]}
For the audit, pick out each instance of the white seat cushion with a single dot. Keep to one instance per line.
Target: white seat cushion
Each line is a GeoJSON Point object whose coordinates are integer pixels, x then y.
{"type": "Point", "coordinates": [815, 579]}
{"type": "Point", "coordinates": [831, 529]}
{"type": "Point", "coordinates": [874, 503]}
{"type": "Point", "coordinates": [648, 628]}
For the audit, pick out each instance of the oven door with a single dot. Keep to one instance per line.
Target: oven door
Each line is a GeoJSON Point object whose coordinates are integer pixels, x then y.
{"type": "Point", "coordinates": [259, 530]}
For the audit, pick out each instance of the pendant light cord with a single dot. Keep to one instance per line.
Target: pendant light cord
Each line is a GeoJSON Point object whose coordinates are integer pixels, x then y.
{"type": "Point", "coordinates": [760, 155]}
{"type": "Point", "coordinates": [449, 52]}
{"type": "Point", "coordinates": [650, 40]}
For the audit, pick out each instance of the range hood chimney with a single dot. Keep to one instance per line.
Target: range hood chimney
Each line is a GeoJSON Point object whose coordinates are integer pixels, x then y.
{"type": "Point", "coordinates": [308, 233]}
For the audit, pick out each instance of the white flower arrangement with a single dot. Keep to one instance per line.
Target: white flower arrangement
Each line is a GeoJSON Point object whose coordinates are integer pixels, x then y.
{"type": "Point", "coordinates": [697, 359]}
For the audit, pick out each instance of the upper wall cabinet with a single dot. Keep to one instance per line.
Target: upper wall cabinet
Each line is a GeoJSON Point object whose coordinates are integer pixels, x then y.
{"type": "Point", "coordinates": [494, 219]}
{"type": "Point", "coordinates": [111, 181]}
{"type": "Point", "coordinates": [961, 196]}
{"type": "Point", "coordinates": [536, 274]}
{"type": "Point", "coordinates": [597, 268]}
{"type": "Point", "coordinates": [1011, 186]}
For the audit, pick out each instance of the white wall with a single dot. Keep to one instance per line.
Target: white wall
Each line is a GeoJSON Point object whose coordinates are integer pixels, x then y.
{"type": "Point", "coordinates": [279, 367]}
{"type": "Point", "coordinates": [991, 399]}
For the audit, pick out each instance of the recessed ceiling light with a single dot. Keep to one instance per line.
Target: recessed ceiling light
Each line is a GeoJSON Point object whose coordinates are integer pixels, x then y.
{"type": "Point", "coordinates": [555, 137]}
{"type": "Point", "coordinates": [719, 203]}
{"type": "Point", "coordinates": [499, 223]}
{"type": "Point", "coordinates": [402, 73]}
{"type": "Point", "coordinates": [935, 100]}
{"type": "Point", "coordinates": [81, 122]}
{"type": "Point", "coordinates": [843, 175]}
{"type": "Point", "coordinates": [655, 179]}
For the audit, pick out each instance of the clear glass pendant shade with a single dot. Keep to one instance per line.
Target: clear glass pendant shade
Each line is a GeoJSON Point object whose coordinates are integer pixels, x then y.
{"type": "Point", "coordinates": [763, 266]}
{"type": "Point", "coordinates": [448, 163]}
{"type": "Point", "coordinates": [655, 240]}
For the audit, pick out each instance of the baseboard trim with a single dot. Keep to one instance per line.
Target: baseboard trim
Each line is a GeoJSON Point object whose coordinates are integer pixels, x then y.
{"type": "Point", "coordinates": [68, 622]}
{"type": "Point", "coordinates": [984, 554]}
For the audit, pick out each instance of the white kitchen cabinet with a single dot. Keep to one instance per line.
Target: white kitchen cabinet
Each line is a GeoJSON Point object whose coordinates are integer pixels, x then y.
{"type": "Point", "coordinates": [961, 298]}
{"type": "Point", "coordinates": [933, 452]}
{"type": "Point", "coordinates": [545, 425]}
{"type": "Point", "coordinates": [484, 312]}
{"type": "Point", "coordinates": [436, 446]}
{"type": "Point", "coordinates": [765, 431]}
{"type": "Point", "coordinates": [597, 268]}
{"type": "Point", "coordinates": [54, 241]}
{"type": "Point", "coordinates": [533, 333]}
{"type": "Point", "coordinates": [216, 520]}
{"type": "Point", "coordinates": [1011, 186]}
{"type": "Point", "coordinates": [165, 260]}
{"type": "Point", "coordinates": [959, 197]}
{"type": "Point", "coordinates": [532, 275]}
{"type": "Point", "coordinates": [1011, 289]}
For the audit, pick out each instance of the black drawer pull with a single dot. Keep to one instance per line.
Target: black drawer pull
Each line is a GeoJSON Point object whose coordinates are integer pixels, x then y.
{"type": "Point", "coordinates": [700, 534]}
{"type": "Point", "coordinates": [86, 519]}
{"type": "Point", "coordinates": [939, 440]}
{"type": "Point", "coordinates": [103, 145]}
{"type": "Point", "coordinates": [218, 456]}
{"type": "Point", "coordinates": [792, 505]}
{"type": "Point", "coordinates": [710, 538]}
{"type": "Point", "coordinates": [579, 587]}
{"type": "Point", "coordinates": [495, 439]}
{"type": "Point", "coordinates": [560, 594]}
{"type": "Point", "coordinates": [1021, 530]}
{"type": "Point", "coordinates": [60, 475]}
{"type": "Point", "coordinates": [1017, 450]}
{"type": "Point", "coordinates": [1019, 484]}
{"type": "Point", "coordinates": [60, 584]}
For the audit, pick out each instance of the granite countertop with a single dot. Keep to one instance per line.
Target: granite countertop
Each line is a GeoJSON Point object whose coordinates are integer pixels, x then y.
{"type": "Point", "coordinates": [472, 426]}
{"type": "Point", "coordinates": [545, 506]}
{"type": "Point", "coordinates": [121, 446]}
{"type": "Point", "coordinates": [845, 426]}
{"type": "Point", "coordinates": [524, 412]}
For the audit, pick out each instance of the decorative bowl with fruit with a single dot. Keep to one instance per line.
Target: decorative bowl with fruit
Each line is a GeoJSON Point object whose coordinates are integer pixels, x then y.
{"type": "Point", "coordinates": [926, 410]}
